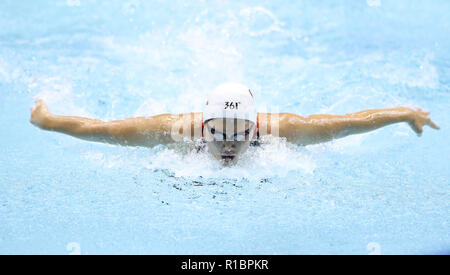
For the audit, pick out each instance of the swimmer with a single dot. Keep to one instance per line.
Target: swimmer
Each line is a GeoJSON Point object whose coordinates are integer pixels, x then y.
{"type": "Point", "coordinates": [228, 125]}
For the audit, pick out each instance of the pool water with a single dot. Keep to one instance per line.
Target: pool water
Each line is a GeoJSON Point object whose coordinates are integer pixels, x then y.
{"type": "Point", "coordinates": [385, 192]}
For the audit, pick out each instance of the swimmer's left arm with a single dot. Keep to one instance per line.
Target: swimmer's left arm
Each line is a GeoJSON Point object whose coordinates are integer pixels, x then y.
{"type": "Point", "coordinates": [322, 128]}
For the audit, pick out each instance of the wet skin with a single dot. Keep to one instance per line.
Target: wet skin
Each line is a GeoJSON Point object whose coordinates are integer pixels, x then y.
{"type": "Point", "coordinates": [229, 138]}
{"type": "Point", "coordinates": [158, 129]}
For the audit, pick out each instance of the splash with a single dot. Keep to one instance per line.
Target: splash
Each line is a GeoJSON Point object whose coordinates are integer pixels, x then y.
{"type": "Point", "coordinates": [274, 158]}
{"type": "Point", "coordinates": [260, 21]}
{"type": "Point", "coordinates": [373, 3]}
{"type": "Point", "coordinates": [418, 71]}
{"type": "Point", "coordinates": [58, 94]}
{"type": "Point", "coordinates": [73, 3]}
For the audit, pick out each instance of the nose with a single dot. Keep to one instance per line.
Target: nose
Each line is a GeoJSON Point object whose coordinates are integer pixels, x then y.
{"type": "Point", "coordinates": [228, 147]}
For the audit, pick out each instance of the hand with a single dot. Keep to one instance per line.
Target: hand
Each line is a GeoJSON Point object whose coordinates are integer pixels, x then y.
{"type": "Point", "coordinates": [417, 119]}
{"type": "Point", "coordinates": [39, 114]}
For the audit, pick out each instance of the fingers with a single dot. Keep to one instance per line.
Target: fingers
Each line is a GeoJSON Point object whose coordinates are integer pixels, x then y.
{"type": "Point", "coordinates": [39, 101]}
{"type": "Point", "coordinates": [430, 122]}
{"type": "Point", "coordinates": [40, 105]}
{"type": "Point", "coordinates": [419, 129]}
{"type": "Point", "coordinates": [421, 118]}
{"type": "Point", "coordinates": [418, 132]}
{"type": "Point", "coordinates": [416, 128]}
{"type": "Point", "coordinates": [433, 125]}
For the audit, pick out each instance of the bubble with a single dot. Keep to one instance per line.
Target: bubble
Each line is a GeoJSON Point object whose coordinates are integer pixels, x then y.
{"type": "Point", "coordinates": [259, 21]}
{"type": "Point", "coordinates": [73, 3]}
{"type": "Point", "coordinates": [373, 3]}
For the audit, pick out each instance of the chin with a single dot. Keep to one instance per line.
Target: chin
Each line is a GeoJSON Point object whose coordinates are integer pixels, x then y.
{"type": "Point", "coordinates": [228, 160]}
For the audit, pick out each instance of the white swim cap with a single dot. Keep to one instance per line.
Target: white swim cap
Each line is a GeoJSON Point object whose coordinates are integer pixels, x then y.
{"type": "Point", "coordinates": [230, 100]}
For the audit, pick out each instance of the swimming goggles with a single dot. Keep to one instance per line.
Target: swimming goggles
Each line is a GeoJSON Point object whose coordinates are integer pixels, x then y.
{"type": "Point", "coordinates": [222, 136]}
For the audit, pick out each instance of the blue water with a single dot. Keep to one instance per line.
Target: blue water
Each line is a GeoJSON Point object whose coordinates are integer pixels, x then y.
{"type": "Point", "coordinates": [384, 192]}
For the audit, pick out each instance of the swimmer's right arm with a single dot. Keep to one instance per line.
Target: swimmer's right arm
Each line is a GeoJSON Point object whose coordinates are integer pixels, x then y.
{"type": "Point", "coordinates": [141, 131]}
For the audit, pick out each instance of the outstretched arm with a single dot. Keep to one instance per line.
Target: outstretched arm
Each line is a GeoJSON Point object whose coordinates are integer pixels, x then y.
{"type": "Point", "coordinates": [141, 131]}
{"type": "Point", "coordinates": [322, 128]}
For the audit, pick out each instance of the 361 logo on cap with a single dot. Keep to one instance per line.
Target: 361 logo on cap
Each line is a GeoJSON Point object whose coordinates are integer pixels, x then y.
{"type": "Point", "coordinates": [231, 105]}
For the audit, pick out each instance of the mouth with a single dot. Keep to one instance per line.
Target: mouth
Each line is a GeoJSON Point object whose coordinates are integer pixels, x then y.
{"type": "Point", "coordinates": [228, 158]}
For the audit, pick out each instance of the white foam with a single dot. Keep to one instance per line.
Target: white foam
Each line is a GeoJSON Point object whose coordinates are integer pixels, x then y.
{"type": "Point", "coordinates": [260, 15]}
{"type": "Point", "coordinates": [151, 107]}
{"type": "Point", "coordinates": [373, 3]}
{"type": "Point", "coordinates": [7, 72]}
{"type": "Point", "coordinates": [274, 158]}
{"type": "Point", "coordinates": [270, 161]}
{"type": "Point", "coordinates": [73, 3]}
{"type": "Point", "coordinates": [423, 75]}
{"type": "Point", "coordinates": [58, 94]}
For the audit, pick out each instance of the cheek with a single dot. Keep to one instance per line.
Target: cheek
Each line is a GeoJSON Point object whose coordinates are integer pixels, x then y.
{"type": "Point", "coordinates": [242, 147]}
{"type": "Point", "coordinates": [214, 148]}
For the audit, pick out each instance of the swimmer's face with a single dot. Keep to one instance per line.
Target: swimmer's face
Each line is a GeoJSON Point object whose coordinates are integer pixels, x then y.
{"type": "Point", "coordinates": [228, 138]}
